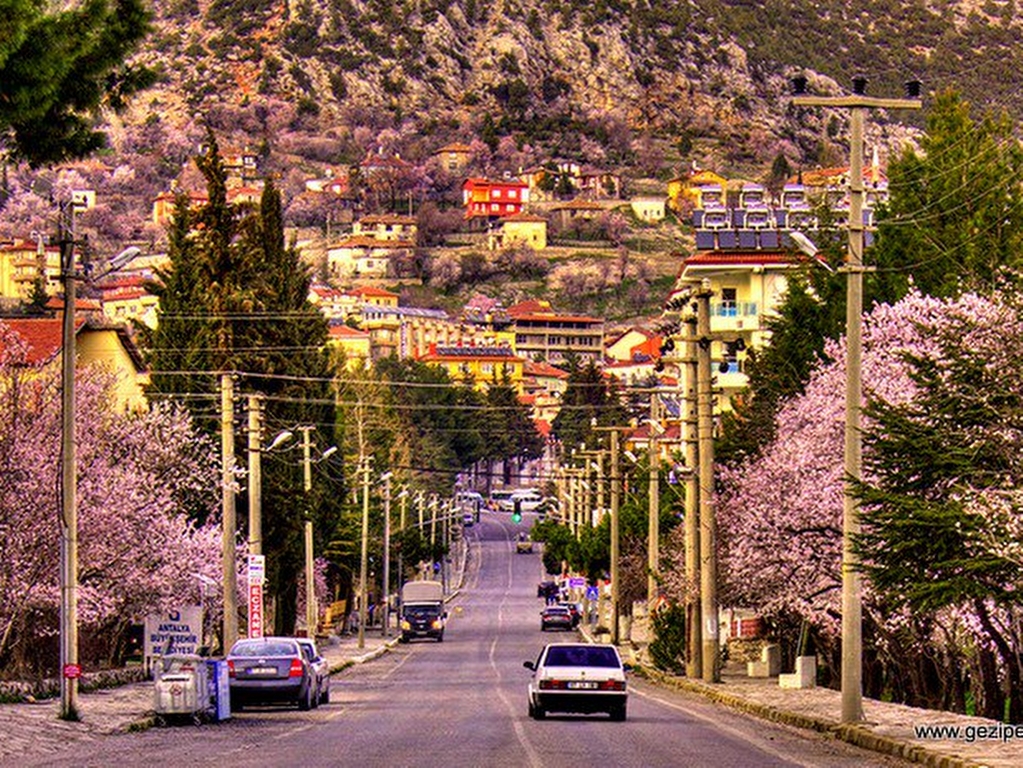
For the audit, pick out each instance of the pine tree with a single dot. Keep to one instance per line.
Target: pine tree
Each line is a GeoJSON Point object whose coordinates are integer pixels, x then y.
{"type": "Point", "coordinates": [58, 68]}
{"type": "Point", "coordinates": [955, 218]}
{"type": "Point", "coordinates": [235, 299]}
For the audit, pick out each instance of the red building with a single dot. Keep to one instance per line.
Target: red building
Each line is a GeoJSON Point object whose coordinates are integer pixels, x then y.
{"type": "Point", "coordinates": [485, 200]}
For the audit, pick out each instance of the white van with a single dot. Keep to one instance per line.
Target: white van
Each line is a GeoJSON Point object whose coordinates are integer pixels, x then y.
{"type": "Point", "coordinates": [529, 499]}
{"type": "Point", "coordinates": [501, 501]}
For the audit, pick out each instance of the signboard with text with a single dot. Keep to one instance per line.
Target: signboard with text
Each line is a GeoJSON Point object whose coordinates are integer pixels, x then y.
{"type": "Point", "coordinates": [257, 575]}
{"type": "Point", "coordinates": [179, 630]}
{"type": "Point", "coordinates": [255, 610]}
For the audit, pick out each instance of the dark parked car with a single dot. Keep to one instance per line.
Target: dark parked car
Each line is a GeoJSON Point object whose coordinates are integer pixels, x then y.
{"type": "Point", "coordinates": [556, 617]}
{"type": "Point", "coordinates": [321, 669]}
{"type": "Point", "coordinates": [576, 611]}
{"type": "Point", "coordinates": [270, 670]}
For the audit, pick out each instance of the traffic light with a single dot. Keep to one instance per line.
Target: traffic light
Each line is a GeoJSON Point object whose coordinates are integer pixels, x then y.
{"type": "Point", "coordinates": [517, 513]}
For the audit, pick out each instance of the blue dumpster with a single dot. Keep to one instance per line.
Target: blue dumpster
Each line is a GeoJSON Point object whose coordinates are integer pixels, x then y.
{"type": "Point", "coordinates": [220, 689]}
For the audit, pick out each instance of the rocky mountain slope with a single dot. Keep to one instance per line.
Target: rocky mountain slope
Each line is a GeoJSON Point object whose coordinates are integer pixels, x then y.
{"type": "Point", "coordinates": [709, 75]}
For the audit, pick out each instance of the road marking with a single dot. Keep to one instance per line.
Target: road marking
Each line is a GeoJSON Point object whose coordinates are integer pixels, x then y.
{"type": "Point", "coordinates": [719, 726]}
{"type": "Point", "coordinates": [520, 732]}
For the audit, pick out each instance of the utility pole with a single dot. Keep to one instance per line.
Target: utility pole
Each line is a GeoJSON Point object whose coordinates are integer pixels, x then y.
{"type": "Point", "coordinates": [387, 552]}
{"type": "Point", "coordinates": [852, 596]}
{"type": "Point", "coordinates": [403, 495]}
{"type": "Point", "coordinates": [311, 614]}
{"type": "Point", "coordinates": [69, 667]}
{"type": "Point", "coordinates": [364, 462]}
{"type": "Point", "coordinates": [654, 523]}
{"type": "Point", "coordinates": [255, 474]}
{"type": "Point", "coordinates": [708, 524]}
{"type": "Point", "coordinates": [229, 521]}
{"type": "Point", "coordinates": [615, 496]}
{"type": "Point", "coordinates": [694, 629]}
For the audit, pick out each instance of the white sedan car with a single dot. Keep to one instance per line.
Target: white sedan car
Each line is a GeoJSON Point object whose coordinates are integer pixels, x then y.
{"type": "Point", "coordinates": [577, 677]}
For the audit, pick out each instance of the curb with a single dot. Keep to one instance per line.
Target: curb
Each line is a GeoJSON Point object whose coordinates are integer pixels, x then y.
{"type": "Point", "coordinates": [857, 735]}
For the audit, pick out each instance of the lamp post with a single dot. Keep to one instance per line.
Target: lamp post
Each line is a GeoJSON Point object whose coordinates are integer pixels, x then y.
{"type": "Point", "coordinates": [311, 613]}
{"type": "Point", "coordinates": [852, 609]}
{"type": "Point", "coordinates": [70, 669]}
{"type": "Point", "coordinates": [654, 522]}
{"type": "Point", "coordinates": [364, 465]}
{"type": "Point", "coordinates": [386, 477]}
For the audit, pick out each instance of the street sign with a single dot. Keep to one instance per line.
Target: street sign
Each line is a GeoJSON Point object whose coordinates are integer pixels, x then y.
{"type": "Point", "coordinates": [577, 582]}
{"type": "Point", "coordinates": [72, 671]}
{"type": "Point", "coordinates": [257, 569]}
{"type": "Point", "coordinates": [179, 630]}
{"type": "Point", "coordinates": [255, 610]}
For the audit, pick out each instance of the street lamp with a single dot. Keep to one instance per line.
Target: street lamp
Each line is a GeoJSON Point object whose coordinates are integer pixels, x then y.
{"type": "Point", "coordinates": [310, 574]}
{"type": "Point", "coordinates": [70, 669]}
{"type": "Point", "coordinates": [386, 478]}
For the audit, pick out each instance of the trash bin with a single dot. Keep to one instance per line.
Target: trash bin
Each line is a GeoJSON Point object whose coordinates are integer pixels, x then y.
{"type": "Point", "coordinates": [181, 689]}
{"type": "Point", "coordinates": [219, 689]}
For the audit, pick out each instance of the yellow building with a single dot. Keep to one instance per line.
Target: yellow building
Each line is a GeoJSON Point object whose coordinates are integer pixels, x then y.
{"type": "Point", "coordinates": [688, 187]}
{"type": "Point", "coordinates": [125, 299]}
{"type": "Point", "coordinates": [96, 344]}
{"type": "Point", "coordinates": [523, 228]}
{"type": "Point", "coordinates": [747, 287]}
{"type": "Point", "coordinates": [484, 364]}
{"type": "Point", "coordinates": [22, 262]}
{"type": "Point", "coordinates": [354, 344]}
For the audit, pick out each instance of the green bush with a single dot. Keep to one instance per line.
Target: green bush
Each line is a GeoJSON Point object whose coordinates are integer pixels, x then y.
{"type": "Point", "coordinates": [668, 649]}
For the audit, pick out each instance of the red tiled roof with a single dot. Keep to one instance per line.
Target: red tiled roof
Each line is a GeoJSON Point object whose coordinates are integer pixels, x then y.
{"type": "Point", "coordinates": [84, 305]}
{"type": "Point", "coordinates": [554, 317]}
{"type": "Point", "coordinates": [579, 205]}
{"type": "Point", "coordinates": [752, 258]}
{"type": "Point", "coordinates": [526, 217]}
{"type": "Point", "coordinates": [346, 331]}
{"type": "Point", "coordinates": [455, 147]}
{"type": "Point", "coordinates": [365, 241]}
{"type": "Point", "coordinates": [370, 290]}
{"type": "Point", "coordinates": [532, 368]}
{"type": "Point", "coordinates": [42, 336]}
{"type": "Point", "coordinates": [387, 218]}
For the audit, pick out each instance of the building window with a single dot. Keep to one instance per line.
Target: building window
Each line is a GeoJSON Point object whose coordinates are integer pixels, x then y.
{"type": "Point", "coordinates": [513, 193]}
{"type": "Point", "coordinates": [497, 193]}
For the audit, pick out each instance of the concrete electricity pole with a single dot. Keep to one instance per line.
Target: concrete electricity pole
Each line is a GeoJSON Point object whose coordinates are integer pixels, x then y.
{"type": "Point", "coordinates": [311, 614]}
{"type": "Point", "coordinates": [255, 475]}
{"type": "Point", "coordinates": [654, 523]}
{"type": "Point", "coordinates": [364, 464]}
{"type": "Point", "coordinates": [694, 643]}
{"type": "Point", "coordinates": [229, 521]}
{"type": "Point", "coordinates": [615, 496]}
{"type": "Point", "coordinates": [852, 608]}
{"type": "Point", "coordinates": [708, 524]}
{"type": "Point", "coordinates": [69, 667]}
{"type": "Point", "coordinates": [387, 551]}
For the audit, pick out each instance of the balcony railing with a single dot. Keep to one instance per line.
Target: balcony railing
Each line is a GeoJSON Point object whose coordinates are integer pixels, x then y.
{"type": "Point", "coordinates": [733, 309]}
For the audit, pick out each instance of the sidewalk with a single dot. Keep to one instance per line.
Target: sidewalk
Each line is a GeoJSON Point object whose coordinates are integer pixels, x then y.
{"type": "Point", "coordinates": [888, 728]}
{"type": "Point", "coordinates": [34, 728]}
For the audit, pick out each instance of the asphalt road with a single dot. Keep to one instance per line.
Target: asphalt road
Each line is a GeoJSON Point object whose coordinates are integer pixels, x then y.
{"type": "Point", "coordinates": [463, 703]}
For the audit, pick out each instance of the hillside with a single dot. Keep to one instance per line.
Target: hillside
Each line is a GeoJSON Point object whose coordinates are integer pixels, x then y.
{"type": "Point", "coordinates": [641, 88]}
{"type": "Point", "coordinates": [710, 76]}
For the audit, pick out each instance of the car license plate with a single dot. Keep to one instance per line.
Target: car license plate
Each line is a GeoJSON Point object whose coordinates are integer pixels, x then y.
{"type": "Point", "coordinates": [584, 685]}
{"type": "Point", "coordinates": [262, 670]}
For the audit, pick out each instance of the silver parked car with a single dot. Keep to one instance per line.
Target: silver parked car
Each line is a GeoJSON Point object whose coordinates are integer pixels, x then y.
{"type": "Point", "coordinates": [270, 670]}
{"type": "Point", "coordinates": [321, 669]}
